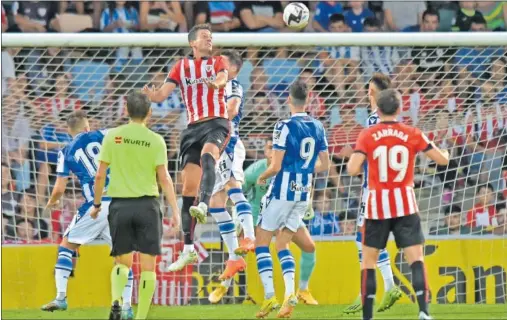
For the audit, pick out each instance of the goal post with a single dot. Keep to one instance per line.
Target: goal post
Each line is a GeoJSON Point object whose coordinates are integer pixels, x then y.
{"type": "Point", "coordinates": [454, 88]}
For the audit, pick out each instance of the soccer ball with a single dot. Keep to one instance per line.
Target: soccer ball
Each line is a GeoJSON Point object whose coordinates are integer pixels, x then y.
{"type": "Point", "coordinates": [296, 15]}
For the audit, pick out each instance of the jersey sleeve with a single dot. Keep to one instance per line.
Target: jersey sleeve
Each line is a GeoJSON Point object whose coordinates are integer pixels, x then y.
{"type": "Point", "coordinates": [280, 135]}
{"type": "Point", "coordinates": [422, 142]}
{"type": "Point", "coordinates": [234, 90]}
{"type": "Point", "coordinates": [105, 154]}
{"type": "Point", "coordinates": [161, 157]}
{"type": "Point", "coordinates": [361, 143]}
{"type": "Point", "coordinates": [62, 168]}
{"type": "Point", "coordinates": [324, 146]}
{"type": "Point", "coordinates": [174, 74]}
{"type": "Point", "coordinates": [220, 65]}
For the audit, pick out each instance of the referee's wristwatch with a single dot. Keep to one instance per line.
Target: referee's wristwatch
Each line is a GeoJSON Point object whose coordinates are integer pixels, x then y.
{"type": "Point", "coordinates": [97, 205]}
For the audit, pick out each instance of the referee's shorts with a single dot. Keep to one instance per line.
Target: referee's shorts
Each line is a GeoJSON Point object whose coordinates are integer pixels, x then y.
{"type": "Point", "coordinates": [135, 225]}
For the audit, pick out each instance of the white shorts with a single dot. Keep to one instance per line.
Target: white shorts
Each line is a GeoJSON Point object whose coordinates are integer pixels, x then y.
{"type": "Point", "coordinates": [360, 219]}
{"type": "Point", "coordinates": [84, 229]}
{"type": "Point", "coordinates": [279, 214]}
{"type": "Point", "coordinates": [230, 165]}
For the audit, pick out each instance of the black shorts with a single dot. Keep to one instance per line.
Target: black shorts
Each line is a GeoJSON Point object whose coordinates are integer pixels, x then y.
{"type": "Point", "coordinates": [135, 225]}
{"type": "Point", "coordinates": [196, 135]}
{"type": "Point", "coordinates": [407, 232]}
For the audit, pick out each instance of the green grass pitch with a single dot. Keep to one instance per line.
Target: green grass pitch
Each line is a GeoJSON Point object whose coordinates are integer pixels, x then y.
{"type": "Point", "coordinates": [402, 311]}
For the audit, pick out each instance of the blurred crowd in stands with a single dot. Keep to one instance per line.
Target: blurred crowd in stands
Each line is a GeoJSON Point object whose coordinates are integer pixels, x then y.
{"type": "Point", "coordinates": [458, 95]}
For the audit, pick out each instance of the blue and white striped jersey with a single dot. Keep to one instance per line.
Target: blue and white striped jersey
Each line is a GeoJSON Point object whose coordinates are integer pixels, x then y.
{"type": "Point", "coordinates": [80, 157]}
{"type": "Point", "coordinates": [373, 119]}
{"type": "Point", "coordinates": [302, 138]}
{"type": "Point", "coordinates": [234, 89]}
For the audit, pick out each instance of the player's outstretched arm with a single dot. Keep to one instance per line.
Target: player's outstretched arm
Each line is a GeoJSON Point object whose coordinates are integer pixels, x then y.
{"type": "Point", "coordinates": [220, 82]}
{"type": "Point", "coordinates": [233, 105]}
{"type": "Point", "coordinates": [160, 94]}
{"type": "Point", "coordinates": [166, 182]}
{"type": "Point", "coordinates": [441, 157]}
{"type": "Point", "coordinates": [57, 193]}
{"type": "Point", "coordinates": [355, 164]}
{"type": "Point", "coordinates": [274, 167]}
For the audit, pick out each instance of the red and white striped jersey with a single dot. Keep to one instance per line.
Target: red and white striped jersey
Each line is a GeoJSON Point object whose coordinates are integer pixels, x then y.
{"type": "Point", "coordinates": [201, 102]}
{"type": "Point", "coordinates": [391, 149]}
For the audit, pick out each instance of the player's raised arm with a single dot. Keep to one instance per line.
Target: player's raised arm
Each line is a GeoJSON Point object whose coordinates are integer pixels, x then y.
{"type": "Point", "coordinates": [441, 157]}
{"type": "Point", "coordinates": [171, 82]}
{"type": "Point", "coordinates": [279, 146]}
{"type": "Point", "coordinates": [323, 162]}
{"type": "Point", "coordinates": [61, 181]}
{"type": "Point", "coordinates": [222, 75]}
{"type": "Point", "coordinates": [355, 164]}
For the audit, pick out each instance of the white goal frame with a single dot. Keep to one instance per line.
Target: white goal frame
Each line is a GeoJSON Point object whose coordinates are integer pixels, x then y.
{"type": "Point", "coordinates": [256, 40]}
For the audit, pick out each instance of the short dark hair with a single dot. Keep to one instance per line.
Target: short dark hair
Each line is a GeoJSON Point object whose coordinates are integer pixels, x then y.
{"type": "Point", "coordinates": [298, 93]}
{"type": "Point", "coordinates": [452, 209]}
{"type": "Point", "coordinates": [336, 17]}
{"type": "Point", "coordinates": [388, 101]}
{"type": "Point", "coordinates": [486, 185]}
{"type": "Point", "coordinates": [76, 120]}
{"type": "Point", "coordinates": [192, 34]}
{"type": "Point", "coordinates": [234, 57]}
{"type": "Point", "coordinates": [371, 22]}
{"type": "Point", "coordinates": [381, 81]}
{"type": "Point", "coordinates": [478, 19]}
{"type": "Point", "coordinates": [431, 12]}
{"type": "Point", "coordinates": [138, 105]}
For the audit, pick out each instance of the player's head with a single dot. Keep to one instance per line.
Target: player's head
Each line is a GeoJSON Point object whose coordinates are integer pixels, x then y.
{"type": "Point", "coordinates": [77, 122]}
{"type": "Point", "coordinates": [298, 96]}
{"type": "Point", "coordinates": [453, 216]}
{"type": "Point", "coordinates": [234, 61]}
{"type": "Point", "coordinates": [138, 106]}
{"type": "Point", "coordinates": [200, 39]}
{"type": "Point", "coordinates": [388, 103]}
{"type": "Point", "coordinates": [377, 83]}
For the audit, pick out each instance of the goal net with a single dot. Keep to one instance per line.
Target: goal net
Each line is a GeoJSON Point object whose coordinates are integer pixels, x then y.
{"type": "Point", "coordinates": [457, 94]}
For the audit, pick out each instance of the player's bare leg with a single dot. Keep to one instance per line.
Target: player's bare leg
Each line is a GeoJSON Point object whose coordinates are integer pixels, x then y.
{"type": "Point", "coordinates": [288, 265]}
{"type": "Point", "coordinates": [209, 156]}
{"type": "Point", "coordinates": [415, 258]}
{"type": "Point", "coordinates": [265, 268]}
{"type": "Point", "coordinates": [191, 177]}
{"type": "Point", "coordinates": [244, 212]}
{"type": "Point", "coordinates": [228, 232]}
{"type": "Point", "coordinates": [63, 270]}
{"type": "Point", "coordinates": [305, 242]}
{"type": "Point", "coordinates": [368, 281]}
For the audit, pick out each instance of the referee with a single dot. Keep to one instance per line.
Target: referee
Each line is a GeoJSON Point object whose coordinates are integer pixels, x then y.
{"type": "Point", "coordinates": [136, 157]}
